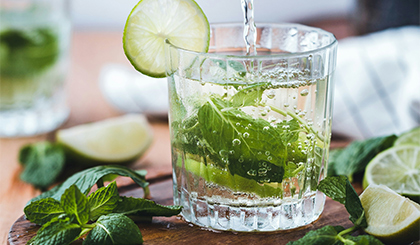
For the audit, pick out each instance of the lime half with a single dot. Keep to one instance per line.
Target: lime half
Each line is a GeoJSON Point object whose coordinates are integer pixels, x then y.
{"type": "Point", "coordinates": [150, 22]}
{"type": "Point", "coordinates": [411, 137]}
{"type": "Point", "coordinates": [398, 168]}
{"type": "Point", "coordinates": [118, 140]}
{"type": "Point", "coordinates": [392, 218]}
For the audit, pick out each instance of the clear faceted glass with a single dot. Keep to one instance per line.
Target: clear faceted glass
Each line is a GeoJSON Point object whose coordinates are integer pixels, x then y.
{"type": "Point", "coordinates": [250, 134]}
{"type": "Point", "coordinates": [34, 47]}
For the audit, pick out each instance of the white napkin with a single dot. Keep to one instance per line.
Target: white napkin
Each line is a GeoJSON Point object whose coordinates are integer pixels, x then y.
{"type": "Point", "coordinates": [377, 85]}
{"type": "Point", "coordinates": [132, 92]}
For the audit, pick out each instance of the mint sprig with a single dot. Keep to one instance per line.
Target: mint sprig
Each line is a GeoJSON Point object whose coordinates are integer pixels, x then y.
{"type": "Point", "coordinates": [339, 189]}
{"type": "Point", "coordinates": [104, 216]}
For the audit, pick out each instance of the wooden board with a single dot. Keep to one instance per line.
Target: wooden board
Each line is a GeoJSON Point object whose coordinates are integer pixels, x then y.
{"type": "Point", "coordinates": [174, 230]}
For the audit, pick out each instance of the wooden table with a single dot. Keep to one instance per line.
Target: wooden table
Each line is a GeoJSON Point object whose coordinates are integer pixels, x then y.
{"type": "Point", "coordinates": [90, 51]}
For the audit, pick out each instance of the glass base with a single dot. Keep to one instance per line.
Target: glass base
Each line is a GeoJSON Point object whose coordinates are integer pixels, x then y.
{"type": "Point", "coordinates": [33, 121]}
{"type": "Point", "coordinates": [287, 215]}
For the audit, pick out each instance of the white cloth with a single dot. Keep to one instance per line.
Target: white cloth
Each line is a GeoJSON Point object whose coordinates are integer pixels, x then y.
{"type": "Point", "coordinates": [377, 85]}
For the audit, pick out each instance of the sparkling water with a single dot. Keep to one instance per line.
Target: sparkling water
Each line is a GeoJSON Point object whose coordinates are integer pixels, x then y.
{"type": "Point", "coordinates": [204, 184]}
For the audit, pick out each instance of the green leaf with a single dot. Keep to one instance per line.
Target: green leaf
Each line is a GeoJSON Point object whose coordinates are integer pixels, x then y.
{"type": "Point", "coordinates": [364, 240]}
{"type": "Point", "coordinates": [44, 210]}
{"type": "Point", "coordinates": [355, 157]}
{"type": "Point", "coordinates": [75, 203]}
{"type": "Point", "coordinates": [57, 231]}
{"type": "Point", "coordinates": [43, 163]}
{"type": "Point", "coordinates": [142, 207]}
{"type": "Point", "coordinates": [339, 189]}
{"type": "Point", "coordinates": [245, 145]}
{"type": "Point", "coordinates": [326, 235]}
{"type": "Point", "coordinates": [115, 229]}
{"type": "Point", "coordinates": [249, 96]}
{"type": "Point", "coordinates": [103, 201]}
{"type": "Point", "coordinates": [27, 52]}
{"type": "Point", "coordinates": [332, 161]}
{"type": "Point", "coordinates": [84, 180]}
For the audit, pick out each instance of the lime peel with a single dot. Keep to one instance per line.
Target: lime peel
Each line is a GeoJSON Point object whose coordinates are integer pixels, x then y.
{"type": "Point", "coordinates": [119, 140]}
{"type": "Point", "coordinates": [391, 218]}
{"type": "Point", "coordinates": [151, 22]}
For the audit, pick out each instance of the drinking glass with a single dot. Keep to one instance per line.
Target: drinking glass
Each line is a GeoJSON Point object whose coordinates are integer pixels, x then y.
{"type": "Point", "coordinates": [34, 47]}
{"type": "Point", "coordinates": [250, 134]}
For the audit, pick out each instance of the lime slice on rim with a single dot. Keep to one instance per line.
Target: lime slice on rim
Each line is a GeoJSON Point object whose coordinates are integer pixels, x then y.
{"type": "Point", "coordinates": [411, 137]}
{"type": "Point", "coordinates": [150, 22]}
{"type": "Point", "coordinates": [390, 217]}
{"type": "Point", "coordinates": [398, 168]}
{"type": "Point", "coordinates": [118, 140]}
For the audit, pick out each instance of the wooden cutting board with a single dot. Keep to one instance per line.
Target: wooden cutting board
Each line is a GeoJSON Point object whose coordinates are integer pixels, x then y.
{"type": "Point", "coordinates": [174, 230]}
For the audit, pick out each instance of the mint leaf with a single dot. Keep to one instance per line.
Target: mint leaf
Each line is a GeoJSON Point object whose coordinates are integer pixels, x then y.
{"type": "Point", "coordinates": [44, 210]}
{"type": "Point", "coordinates": [339, 189]}
{"type": "Point", "coordinates": [27, 52]}
{"type": "Point", "coordinates": [249, 96]}
{"type": "Point", "coordinates": [355, 157]}
{"type": "Point", "coordinates": [43, 163]}
{"type": "Point", "coordinates": [114, 229]}
{"type": "Point", "coordinates": [84, 180]}
{"type": "Point", "coordinates": [57, 231]}
{"type": "Point", "coordinates": [364, 240]}
{"type": "Point", "coordinates": [326, 235]}
{"type": "Point", "coordinates": [245, 145]}
{"type": "Point", "coordinates": [75, 203]}
{"type": "Point", "coordinates": [103, 201]}
{"type": "Point", "coordinates": [142, 207]}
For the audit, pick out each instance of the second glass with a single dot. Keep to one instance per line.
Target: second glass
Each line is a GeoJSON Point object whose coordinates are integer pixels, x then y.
{"type": "Point", "coordinates": [250, 134]}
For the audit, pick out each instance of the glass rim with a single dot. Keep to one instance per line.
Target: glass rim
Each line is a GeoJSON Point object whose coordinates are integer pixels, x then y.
{"type": "Point", "coordinates": [331, 45]}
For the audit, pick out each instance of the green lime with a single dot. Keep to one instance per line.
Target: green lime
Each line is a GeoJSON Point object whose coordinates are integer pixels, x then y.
{"type": "Point", "coordinates": [398, 168]}
{"type": "Point", "coordinates": [411, 137]}
{"type": "Point", "coordinates": [221, 177]}
{"type": "Point", "coordinates": [151, 22]}
{"type": "Point", "coordinates": [390, 217]}
{"type": "Point", "coordinates": [118, 140]}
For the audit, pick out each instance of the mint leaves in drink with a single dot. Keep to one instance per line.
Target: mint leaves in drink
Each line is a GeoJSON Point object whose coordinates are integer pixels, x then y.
{"type": "Point", "coordinates": [223, 132]}
{"type": "Point", "coordinates": [104, 215]}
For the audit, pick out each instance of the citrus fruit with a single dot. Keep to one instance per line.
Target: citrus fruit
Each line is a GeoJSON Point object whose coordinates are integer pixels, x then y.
{"type": "Point", "coordinates": [392, 218]}
{"type": "Point", "coordinates": [118, 140]}
{"type": "Point", "coordinates": [151, 22]}
{"type": "Point", "coordinates": [398, 168]}
{"type": "Point", "coordinates": [411, 137]}
{"type": "Point", "coordinates": [221, 177]}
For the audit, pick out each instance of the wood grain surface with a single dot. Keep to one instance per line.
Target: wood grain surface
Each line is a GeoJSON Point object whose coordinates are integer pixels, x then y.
{"type": "Point", "coordinates": [174, 230]}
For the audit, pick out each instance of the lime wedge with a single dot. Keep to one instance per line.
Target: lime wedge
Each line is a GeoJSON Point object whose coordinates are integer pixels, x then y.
{"type": "Point", "coordinates": [150, 22]}
{"type": "Point", "coordinates": [411, 137]}
{"type": "Point", "coordinates": [398, 168]}
{"type": "Point", "coordinates": [390, 217]}
{"type": "Point", "coordinates": [118, 140]}
{"type": "Point", "coordinates": [223, 178]}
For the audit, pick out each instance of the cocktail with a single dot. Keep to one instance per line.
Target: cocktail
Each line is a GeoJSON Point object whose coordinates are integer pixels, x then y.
{"type": "Point", "coordinates": [34, 44]}
{"type": "Point", "coordinates": [250, 122]}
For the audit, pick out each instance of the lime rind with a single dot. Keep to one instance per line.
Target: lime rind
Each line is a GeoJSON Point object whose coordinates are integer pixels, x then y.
{"type": "Point", "coordinates": [411, 137]}
{"type": "Point", "coordinates": [400, 225]}
{"type": "Point", "coordinates": [398, 168]}
{"type": "Point", "coordinates": [151, 22]}
{"type": "Point", "coordinates": [224, 178]}
{"type": "Point", "coordinates": [119, 140]}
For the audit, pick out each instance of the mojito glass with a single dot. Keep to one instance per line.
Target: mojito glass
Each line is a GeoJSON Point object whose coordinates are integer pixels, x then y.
{"type": "Point", "coordinates": [250, 134]}
{"type": "Point", "coordinates": [34, 45]}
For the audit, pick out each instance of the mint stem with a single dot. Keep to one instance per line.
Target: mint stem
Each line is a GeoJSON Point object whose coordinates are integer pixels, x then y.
{"type": "Point", "coordinates": [294, 116]}
{"type": "Point", "coordinates": [345, 232]}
